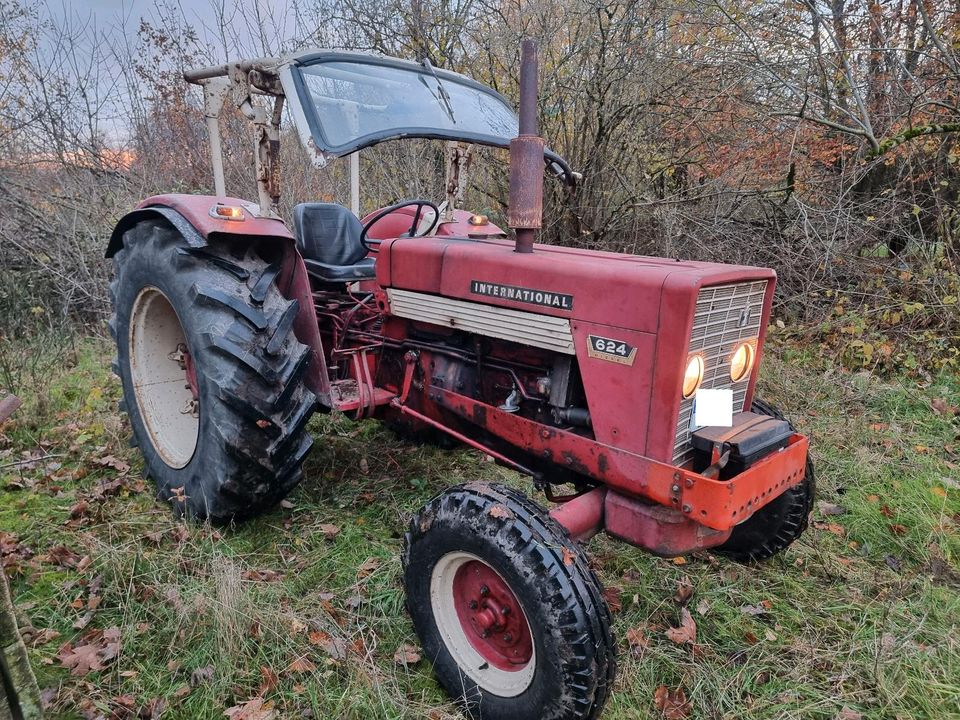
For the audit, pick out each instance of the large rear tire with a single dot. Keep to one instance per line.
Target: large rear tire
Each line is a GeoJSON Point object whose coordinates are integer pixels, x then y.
{"type": "Point", "coordinates": [213, 377]}
{"type": "Point", "coordinates": [774, 527]}
{"type": "Point", "coordinates": [507, 608]}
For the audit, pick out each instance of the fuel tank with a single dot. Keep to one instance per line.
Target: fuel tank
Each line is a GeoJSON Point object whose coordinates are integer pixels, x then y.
{"type": "Point", "coordinates": [630, 321]}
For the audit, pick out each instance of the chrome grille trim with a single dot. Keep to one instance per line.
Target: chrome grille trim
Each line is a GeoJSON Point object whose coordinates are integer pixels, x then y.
{"type": "Point", "coordinates": [526, 328]}
{"type": "Point", "coordinates": [716, 333]}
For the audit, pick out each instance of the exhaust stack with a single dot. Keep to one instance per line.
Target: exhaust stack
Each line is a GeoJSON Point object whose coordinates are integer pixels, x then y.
{"type": "Point", "coordinates": [525, 215]}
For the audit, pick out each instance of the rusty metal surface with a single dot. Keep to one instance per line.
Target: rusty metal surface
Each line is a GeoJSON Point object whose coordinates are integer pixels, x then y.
{"type": "Point", "coordinates": [583, 515]}
{"type": "Point", "coordinates": [526, 183]}
{"type": "Point", "coordinates": [658, 529]}
{"type": "Point", "coordinates": [716, 504]}
{"type": "Point", "coordinates": [8, 406]}
{"type": "Point", "coordinates": [526, 158]}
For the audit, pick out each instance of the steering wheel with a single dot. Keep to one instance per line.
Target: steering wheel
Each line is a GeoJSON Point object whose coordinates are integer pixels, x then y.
{"type": "Point", "coordinates": [414, 226]}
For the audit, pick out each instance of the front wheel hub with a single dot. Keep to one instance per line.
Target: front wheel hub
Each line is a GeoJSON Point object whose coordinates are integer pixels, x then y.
{"type": "Point", "coordinates": [491, 616]}
{"type": "Point", "coordinates": [482, 623]}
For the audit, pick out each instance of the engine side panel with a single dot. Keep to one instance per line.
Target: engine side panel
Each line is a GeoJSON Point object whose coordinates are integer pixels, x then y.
{"type": "Point", "coordinates": [616, 368]}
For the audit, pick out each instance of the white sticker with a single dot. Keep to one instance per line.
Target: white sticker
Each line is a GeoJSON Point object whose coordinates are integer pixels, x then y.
{"type": "Point", "coordinates": [713, 408]}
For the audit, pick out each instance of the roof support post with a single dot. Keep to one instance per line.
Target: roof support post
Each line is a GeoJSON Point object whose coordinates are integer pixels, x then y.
{"type": "Point", "coordinates": [355, 183]}
{"type": "Point", "coordinates": [215, 91]}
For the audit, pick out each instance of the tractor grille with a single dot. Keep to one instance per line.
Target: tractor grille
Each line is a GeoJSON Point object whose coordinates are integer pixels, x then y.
{"type": "Point", "coordinates": [717, 321]}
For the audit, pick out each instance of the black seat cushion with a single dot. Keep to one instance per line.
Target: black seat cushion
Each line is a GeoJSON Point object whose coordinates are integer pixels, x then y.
{"type": "Point", "coordinates": [328, 237]}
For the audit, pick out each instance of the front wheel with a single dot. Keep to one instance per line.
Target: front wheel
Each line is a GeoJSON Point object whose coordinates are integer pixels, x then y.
{"type": "Point", "coordinates": [507, 609]}
{"type": "Point", "coordinates": [774, 527]}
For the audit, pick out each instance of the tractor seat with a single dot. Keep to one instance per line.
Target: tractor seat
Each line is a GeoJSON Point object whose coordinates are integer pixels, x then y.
{"type": "Point", "coordinates": [328, 237]}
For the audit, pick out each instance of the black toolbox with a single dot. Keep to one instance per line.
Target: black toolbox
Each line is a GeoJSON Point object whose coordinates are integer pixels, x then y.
{"type": "Point", "coordinates": [752, 437]}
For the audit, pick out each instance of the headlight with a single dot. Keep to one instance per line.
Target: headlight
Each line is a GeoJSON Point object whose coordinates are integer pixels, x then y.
{"type": "Point", "coordinates": [692, 376]}
{"type": "Point", "coordinates": [741, 361]}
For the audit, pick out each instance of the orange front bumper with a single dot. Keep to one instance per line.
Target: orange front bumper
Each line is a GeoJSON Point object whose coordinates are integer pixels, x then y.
{"type": "Point", "coordinates": [721, 504]}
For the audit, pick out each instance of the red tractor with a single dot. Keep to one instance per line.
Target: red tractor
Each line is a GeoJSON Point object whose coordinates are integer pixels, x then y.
{"type": "Point", "coordinates": [622, 385]}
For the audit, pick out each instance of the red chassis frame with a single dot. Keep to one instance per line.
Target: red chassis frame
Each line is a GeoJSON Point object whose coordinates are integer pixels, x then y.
{"type": "Point", "coordinates": [640, 497]}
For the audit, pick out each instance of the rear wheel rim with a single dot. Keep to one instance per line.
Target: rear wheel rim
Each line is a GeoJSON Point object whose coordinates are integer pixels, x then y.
{"type": "Point", "coordinates": [159, 367]}
{"type": "Point", "coordinates": [482, 624]}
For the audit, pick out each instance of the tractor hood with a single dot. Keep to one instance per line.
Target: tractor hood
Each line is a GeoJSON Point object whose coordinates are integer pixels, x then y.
{"type": "Point", "coordinates": [619, 290]}
{"type": "Point", "coordinates": [344, 101]}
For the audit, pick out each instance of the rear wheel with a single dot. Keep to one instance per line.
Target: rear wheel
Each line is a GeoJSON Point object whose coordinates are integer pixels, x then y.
{"type": "Point", "coordinates": [774, 527]}
{"type": "Point", "coordinates": [213, 377]}
{"type": "Point", "coordinates": [506, 607]}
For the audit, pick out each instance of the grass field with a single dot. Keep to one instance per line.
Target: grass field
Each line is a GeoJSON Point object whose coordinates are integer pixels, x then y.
{"type": "Point", "coordinates": [303, 608]}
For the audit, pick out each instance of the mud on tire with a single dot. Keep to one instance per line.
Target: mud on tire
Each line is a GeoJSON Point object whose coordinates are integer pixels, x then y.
{"type": "Point", "coordinates": [774, 527]}
{"type": "Point", "coordinates": [244, 449]}
{"type": "Point", "coordinates": [573, 651]}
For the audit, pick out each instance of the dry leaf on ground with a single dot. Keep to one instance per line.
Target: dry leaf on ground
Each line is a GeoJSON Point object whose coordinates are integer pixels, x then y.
{"type": "Point", "coordinates": [612, 595]}
{"type": "Point", "coordinates": [329, 531]}
{"type": "Point", "coordinates": [254, 709]}
{"type": "Point", "coordinates": [687, 632]}
{"type": "Point", "coordinates": [94, 650]}
{"type": "Point", "coordinates": [407, 655]}
{"type": "Point", "coordinates": [301, 665]}
{"type": "Point", "coordinates": [673, 704]}
{"type": "Point", "coordinates": [637, 639]}
{"type": "Point", "coordinates": [684, 591]}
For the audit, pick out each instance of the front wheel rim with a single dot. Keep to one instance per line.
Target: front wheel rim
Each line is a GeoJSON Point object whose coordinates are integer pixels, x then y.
{"type": "Point", "coordinates": [163, 378]}
{"type": "Point", "coordinates": [493, 648]}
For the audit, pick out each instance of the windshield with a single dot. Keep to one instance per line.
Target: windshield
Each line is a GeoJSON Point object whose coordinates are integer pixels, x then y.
{"type": "Point", "coordinates": [352, 103]}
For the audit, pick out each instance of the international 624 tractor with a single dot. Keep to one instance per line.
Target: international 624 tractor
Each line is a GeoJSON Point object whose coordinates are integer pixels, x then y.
{"type": "Point", "coordinates": [622, 385]}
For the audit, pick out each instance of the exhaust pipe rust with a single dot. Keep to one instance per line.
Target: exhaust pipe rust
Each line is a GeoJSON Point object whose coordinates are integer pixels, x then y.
{"type": "Point", "coordinates": [525, 214]}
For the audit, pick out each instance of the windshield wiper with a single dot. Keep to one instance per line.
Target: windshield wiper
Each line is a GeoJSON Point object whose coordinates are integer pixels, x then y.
{"type": "Point", "coordinates": [442, 96]}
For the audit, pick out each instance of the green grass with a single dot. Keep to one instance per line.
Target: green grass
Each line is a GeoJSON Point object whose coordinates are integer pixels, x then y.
{"type": "Point", "coordinates": [863, 610]}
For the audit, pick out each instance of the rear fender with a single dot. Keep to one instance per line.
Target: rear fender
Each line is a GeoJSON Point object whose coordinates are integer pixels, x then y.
{"type": "Point", "coordinates": [190, 216]}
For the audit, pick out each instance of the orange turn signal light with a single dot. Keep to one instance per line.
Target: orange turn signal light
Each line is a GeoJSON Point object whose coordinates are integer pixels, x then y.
{"type": "Point", "coordinates": [227, 212]}
{"type": "Point", "coordinates": [478, 220]}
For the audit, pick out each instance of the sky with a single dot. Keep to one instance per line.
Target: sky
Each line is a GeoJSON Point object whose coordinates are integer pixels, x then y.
{"type": "Point", "coordinates": [201, 14]}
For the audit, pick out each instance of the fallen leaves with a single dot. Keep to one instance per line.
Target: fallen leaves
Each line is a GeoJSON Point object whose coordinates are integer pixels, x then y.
{"type": "Point", "coordinates": [672, 703]}
{"type": "Point", "coordinates": [202, 675]}
{"type": "Point", "coordinates": [367, 567]}
{"type": "Point", "coordinates": [335, 647]}
{"type": "Point", "coordinates": [687, 632]}
{"type": "Point", "coordinates": [499, 511]}
{"type": "Point", "coordinates": [329, 531]}
{"type": "Point", "coordinates": [848, 714]}
{"type": "Point", "coordinates": [637, 640]}
{"type": "Point", "coordinates": [301, 664]}
{"type": "Point", "coordinates": [612, 594]}
{"type": "Point", "coordinates": [941, 407]}
{"type": "Point", "coordinates": [407, 655]}
{"type": "Point", "coordinates": [12, 553]}
{"type": "Point", "coordinates": [114, 462]}
{"type": "Point", "coordinates": [64, 557]}
{"type": "Point", "coordinates": [684, 591]}
{"type": "Point", "coordinates": [832, 528]}
{"type": "Point", "coordinates": [253, 709]}
{"type": "Point", "coordinates": [828, 509]}
{"type": "Point", "coordinates": [94, 650]}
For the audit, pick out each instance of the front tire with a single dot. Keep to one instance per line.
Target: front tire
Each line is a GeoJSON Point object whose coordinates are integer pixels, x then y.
{"type": "Point", "coordinates": [774, 527]}
{"type": "Point", "coordinates": [213, 376]}
{"type": "Point", "coordinates": [506, 607]}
